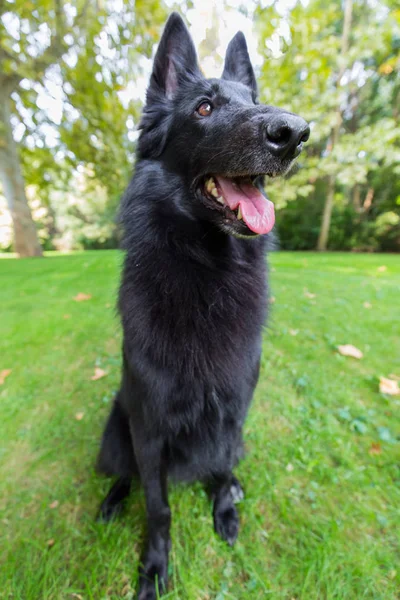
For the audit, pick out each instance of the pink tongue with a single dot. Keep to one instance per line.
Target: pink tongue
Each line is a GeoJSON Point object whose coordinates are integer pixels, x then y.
{"type": "Point", "coordinates": [258, 212]}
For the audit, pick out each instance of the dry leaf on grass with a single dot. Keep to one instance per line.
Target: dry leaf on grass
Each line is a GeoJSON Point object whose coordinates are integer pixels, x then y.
{"type": "Point", "coordinates": [98, 374]}
{"type": "Point", "coordinates": [81, 297]}
{"type": "Point", "coordinates": [127, 589]}
{"type": "Point", "coordinates": [50, 543]}
{"type": "Point", "coordinates": [367, 305]}
{"type": "Point", "coordinates": [389, 386]}
{"type": "Point", "coordinates": [393, 376]}
{"type": "Point", "coordinates": [308, 294]}
{"type": "Point", "coordinates": [54, 504]}
{"type": "Point", "coordinates": [382, 268]}
{"type": "Point", "coordinates": [3, 374]}
{"type": "Point", "coordinates": [349, 350]}
{"type": "Point", "coordinates": [79, 416]}
{"type": "Point", "coordinates": [375, 449]}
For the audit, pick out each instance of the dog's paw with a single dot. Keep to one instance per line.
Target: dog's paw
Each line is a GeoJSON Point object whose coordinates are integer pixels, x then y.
{"type": "Point", "coordinates": [147, 591]}
{"type": "Point", "coordinates": [236, 491]}
{"type": "Point", "coordinates": [226, 524]}
{"type": "Point", "coordinates": [109, 511]}
{"type": "Point", "coordinates": [153, 577]}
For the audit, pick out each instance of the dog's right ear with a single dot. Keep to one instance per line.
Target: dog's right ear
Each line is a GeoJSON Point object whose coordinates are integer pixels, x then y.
{"type": "Point", "coordinates": [175, 59]}
{"type": "Point", "coordinates": [175, 62]}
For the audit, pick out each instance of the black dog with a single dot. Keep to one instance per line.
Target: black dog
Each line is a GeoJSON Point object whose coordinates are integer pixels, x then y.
{"type": "Point", "coordinates": [193, 296]}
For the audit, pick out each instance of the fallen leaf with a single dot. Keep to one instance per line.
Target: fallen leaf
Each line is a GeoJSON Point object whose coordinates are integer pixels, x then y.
{"type": "Point", "coordinates": [393, 376]}
{"type": "Point", "coordinates": [389, 386]}
{"type": "Point", "coordinates": [79, 416]}
{"type": "Point", "coordinates": [382, 268]}
{"type": "Point", "coordinates": [126, 589]}
{"type": "Point", "coordinates": [3, 374]}
{"type": "Point", "coordinates": [272, 299]}
{"type": "Point", "coordinates": [308, 294]}
{"type": "Point", "coordinates": [375, 449]}
{"type": "Point", "coordinates": [98, 374]}
{"type": "Point", "coordinates": [66, 316]}
{"type": "Point", "coordinates": [50, 543]}
{"type": "Point", "coordinates": [349, 350]}
{"type": "Point", "coordinates": [81, 296]}
{"type": "Point", "coordinates": [54, 504]}
{"type": "Point", "coordinates": [293, 331]}
{"type": "Point", "coordinates": [367, 305]}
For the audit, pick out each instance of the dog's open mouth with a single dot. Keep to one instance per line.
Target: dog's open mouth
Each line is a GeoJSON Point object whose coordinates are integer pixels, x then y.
{"type": "Point", "coordinates": [241, 200]}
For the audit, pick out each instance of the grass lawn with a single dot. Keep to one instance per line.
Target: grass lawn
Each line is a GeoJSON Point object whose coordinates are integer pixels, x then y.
{"type": "Point", "coordinates": [321, 517]}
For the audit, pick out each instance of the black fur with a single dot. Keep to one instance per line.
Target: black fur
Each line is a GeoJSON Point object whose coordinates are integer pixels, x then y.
{"type": "Point", "coordinates": [193, 298]}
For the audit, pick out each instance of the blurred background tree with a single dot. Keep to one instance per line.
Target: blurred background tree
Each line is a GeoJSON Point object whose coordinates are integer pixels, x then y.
{"type": "Point", "coordinates": [338, 66]}
{"type": "Point", "coordinates": [73, 76]}
{"type": "Point", "coordinates": [64, 127]}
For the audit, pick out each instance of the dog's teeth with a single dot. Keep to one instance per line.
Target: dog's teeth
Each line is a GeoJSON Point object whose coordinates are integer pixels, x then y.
{"type": "Point", "coordinates": [220, 200]}
{"type": "Point", "coordinates": [210, 185]}
{"type": "Point", "coordinates": [214, 192]}
{"type": "Point", "coordinates": [239, 213]}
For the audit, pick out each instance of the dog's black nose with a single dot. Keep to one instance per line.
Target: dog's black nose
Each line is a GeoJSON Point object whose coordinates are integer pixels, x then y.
{"type": "Point", "coordinates": [286, 134]}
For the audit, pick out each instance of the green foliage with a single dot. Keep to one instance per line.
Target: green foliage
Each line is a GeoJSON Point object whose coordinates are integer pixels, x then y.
{"type": "Point", "coordinates": [303, 77]}
{"type": "Point", "coordinates": [86, 54]}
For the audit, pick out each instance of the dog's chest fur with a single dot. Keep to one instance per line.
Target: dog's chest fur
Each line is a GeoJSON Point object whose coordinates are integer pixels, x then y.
{"type": "Point", "coordinates": [192, 315]}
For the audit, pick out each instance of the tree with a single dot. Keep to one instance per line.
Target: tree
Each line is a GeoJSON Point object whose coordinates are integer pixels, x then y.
{"type": "Point", "coordinates": [26, 242]}
{"type": "Point", "coordinates": [88, 52]}
{"type": "Point", "coordinates": [350, 96]}
{"type": "Point", "coordinates": [326, 217]}
{"type": "Point", "coordinates": [24, 57]}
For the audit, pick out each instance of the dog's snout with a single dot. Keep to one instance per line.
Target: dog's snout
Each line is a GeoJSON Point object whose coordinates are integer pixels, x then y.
{"type": "Point", "coordinates": [285, 135]}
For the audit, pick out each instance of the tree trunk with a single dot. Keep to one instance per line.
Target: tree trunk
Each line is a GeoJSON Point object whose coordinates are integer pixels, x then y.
{"type": "Point", "coordinates": [368, 199]}
{"type": "Point", "coordinates": [26, 241]}
{"type": "Point", "coordinates": [326, 217]}
{"type": "Point", "coordinates": [357, 198]}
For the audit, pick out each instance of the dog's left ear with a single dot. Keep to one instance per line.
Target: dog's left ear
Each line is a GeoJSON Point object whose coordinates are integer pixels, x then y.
{"type": "Point", "coordinates": [238, 66]}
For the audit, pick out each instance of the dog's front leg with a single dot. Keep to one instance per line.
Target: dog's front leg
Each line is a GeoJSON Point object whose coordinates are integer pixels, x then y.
{"type": "Point", "coordinates": [153, 571]}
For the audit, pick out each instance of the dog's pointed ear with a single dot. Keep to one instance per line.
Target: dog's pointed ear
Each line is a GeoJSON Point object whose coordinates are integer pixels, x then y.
{"type": "Point", "coordinates": [175, 58]}
{"type": "Point", "coordinates": [238, 66]}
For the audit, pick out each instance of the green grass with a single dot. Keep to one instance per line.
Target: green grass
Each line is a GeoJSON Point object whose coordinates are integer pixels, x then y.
{"type": "Point", "coordinates": [321, 515]}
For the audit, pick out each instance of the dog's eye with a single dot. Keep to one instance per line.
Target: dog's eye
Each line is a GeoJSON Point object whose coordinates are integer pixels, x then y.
{"type": "Point", "coordinates": [205, 109]}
